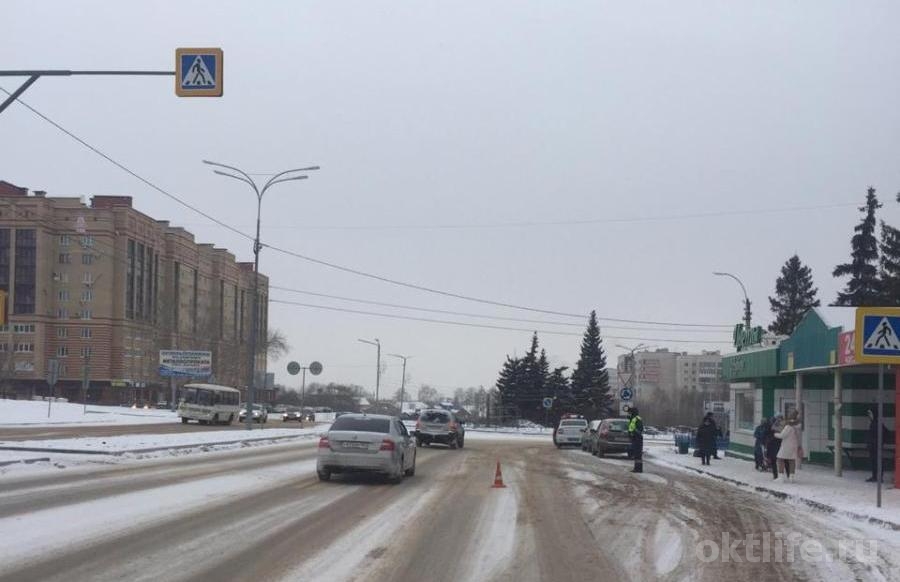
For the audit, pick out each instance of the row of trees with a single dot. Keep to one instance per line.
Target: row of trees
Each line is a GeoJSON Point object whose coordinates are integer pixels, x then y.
{"type": "Point", "coordinates": [873, 271]}
{"type": "Point", "coordinates": [525, 382]}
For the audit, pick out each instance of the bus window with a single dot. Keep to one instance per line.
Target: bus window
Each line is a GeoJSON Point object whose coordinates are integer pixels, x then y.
{"type": "Point", "coordinates": [190, 396]}
{"type": "Point", "coordinates": [203, 397]}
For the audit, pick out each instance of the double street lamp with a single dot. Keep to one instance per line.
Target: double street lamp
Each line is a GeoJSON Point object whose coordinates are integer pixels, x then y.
{"type": "Point", "coordinates": [279, 178]}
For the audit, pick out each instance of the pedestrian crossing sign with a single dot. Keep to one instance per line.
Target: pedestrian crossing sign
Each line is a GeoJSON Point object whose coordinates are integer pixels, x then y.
{"type": "Point", "coordinates": [878, 335]}
{"type": "Point", "coordinates": [198, 72]}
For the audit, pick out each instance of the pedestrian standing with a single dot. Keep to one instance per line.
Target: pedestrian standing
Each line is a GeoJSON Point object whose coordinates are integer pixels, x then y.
{"type": "Point", "coordinates": [791, 449]}
{"type": "Point", "coordinates": [773, 445]}
{"type": "Point", "coordinates": [706, 439]}
{"type": "Point", "coordinates": [759, 449]}
{"type": "Point", "coordinates": [872, 444]}
{"type": "Point", "coordinates": [636, 432]}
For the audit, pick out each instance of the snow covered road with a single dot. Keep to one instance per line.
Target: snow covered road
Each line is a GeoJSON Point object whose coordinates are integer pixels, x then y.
{"type": "Point", "coordinates": [261, 514]}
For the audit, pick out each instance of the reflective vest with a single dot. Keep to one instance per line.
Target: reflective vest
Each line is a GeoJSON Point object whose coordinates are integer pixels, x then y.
{"type": "Point", "coordinates": [633, 424]}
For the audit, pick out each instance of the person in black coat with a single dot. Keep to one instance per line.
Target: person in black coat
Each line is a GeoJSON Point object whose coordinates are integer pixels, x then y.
{"type": "Point", "coordinates": [706, 439]}
{"type": "Point", "coordinates": [872, 442]}
{"type": "Point", "coordinates": [773, 445]}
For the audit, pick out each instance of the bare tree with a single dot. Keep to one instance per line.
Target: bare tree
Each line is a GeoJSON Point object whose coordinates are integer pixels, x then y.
{"type": "Point", "coordinates": [276, 344]}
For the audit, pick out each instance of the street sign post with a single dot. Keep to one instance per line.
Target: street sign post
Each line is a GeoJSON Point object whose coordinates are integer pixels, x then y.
{"type": "Point", "coordinates": [877, 341]}
{"type": "Point", "coordinates": [293, 368]}
{"type": "Point", "coordinates": [626, 394]}
{"type": "Point", "coordinates": [198, 72]}
{"type": "Point", "coordinates": [624, 407]}
{"type": "Point", "coordinates": [548, 403]}
{"type": "Point", "coordinates": [315, 368]}
{"type": "Point", "coordinates": [52, 378]}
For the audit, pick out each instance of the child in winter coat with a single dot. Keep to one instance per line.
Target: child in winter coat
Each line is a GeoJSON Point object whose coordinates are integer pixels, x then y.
{"type": "Point", "coordinates": [791, 449]}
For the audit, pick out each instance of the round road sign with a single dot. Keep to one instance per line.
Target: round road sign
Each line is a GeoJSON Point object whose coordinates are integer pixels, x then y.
{"type": "Point", "coordinates": [315, 368]}
{"type": "Point", "coordinates": [548, 403]}
{"type": "Point", "coordinates": [626, 394]}
{"type": "Point", "coordinates": [293, 368]}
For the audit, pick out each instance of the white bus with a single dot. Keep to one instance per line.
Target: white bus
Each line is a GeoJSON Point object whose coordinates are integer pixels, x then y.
{"type": "Point", "coordinates": [208, 404]}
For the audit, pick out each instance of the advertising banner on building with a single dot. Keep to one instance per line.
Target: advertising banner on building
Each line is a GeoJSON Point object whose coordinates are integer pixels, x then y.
{"type": "Point", "coordinates": [185, 363]}
{"type": "Point", "coordinates": [846, 348]}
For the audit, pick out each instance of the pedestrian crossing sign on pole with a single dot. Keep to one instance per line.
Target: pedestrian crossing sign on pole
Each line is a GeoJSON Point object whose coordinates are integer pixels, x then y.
{"type": "Point", "coordinates": [198, 72]}
{"type": "Point", "coordinates": [877, 335]}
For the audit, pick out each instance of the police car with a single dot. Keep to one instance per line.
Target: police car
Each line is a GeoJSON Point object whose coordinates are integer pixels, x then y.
{"type": "Point", "coordinates": [570, 430]}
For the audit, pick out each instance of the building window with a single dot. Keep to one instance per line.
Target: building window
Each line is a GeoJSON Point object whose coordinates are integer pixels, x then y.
{"type": "Point", "coordinates": [87, 332]}
{"type": "Point", "coordinates": [4, 258]}
{"type": "Point", "coordinates": [62, 351]}
{"type": "Point", "coordinates": [87, 295]}
{"type": "Point", "coordinates": [87, 259]}
{"type": "Point", "coordinates": [65, 240]}
{"type": "Point", "coordinates": [23, 328]}
{"type": "Point", "coordinates": [87, 278]}
{"type": "Point", "coordinates": [4, 347]}
{"type": "Point", "coordinates": [62, 313]}
{"type": "Point", "coordinates": [139, 281]}
{"type": "Point", "coordinates": [744, 403]}
{"type": "Point", "coordinates": [62, 277]}
{"type": "Point", "coordinates": [129, 282]}
{"type": "Point", "coordinates": [87, 241]}
{"type": "Point", "coordinates": [86, 351]}
{"type": "Point", "coordinates": [65, 258]}
{"type": "Point", "coordinates": [26, 270]}
{"type": "Point", "coordinates": [86, 314]}
{"type": "Point", "coordinates": [24, 348]}
{"type": "Point", "coordinates": [62, 332]}
{"type": "Point", "coordinates": [63, 294]}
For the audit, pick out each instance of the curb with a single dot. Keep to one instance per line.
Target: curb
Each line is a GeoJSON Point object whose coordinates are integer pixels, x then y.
{"type": "Point", "coordinates": [781, 495]}
{"type": "Point", "coordinates": [25, 461]}
{"type": "Point", "coordinates": [148, 449]}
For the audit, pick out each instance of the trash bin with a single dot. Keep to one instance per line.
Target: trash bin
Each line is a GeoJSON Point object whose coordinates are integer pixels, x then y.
{"type": "Point", "coordinates": [682, 443]}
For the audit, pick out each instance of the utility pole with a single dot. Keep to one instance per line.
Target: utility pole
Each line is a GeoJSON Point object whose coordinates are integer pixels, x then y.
{"type": "Point", "coordinates": [403, 379]}
{"type": "Point", "coordinates": [85, 380]}
{"type": "Point", "coordinates": [746, 298]}
{"type": "Point", "coordinates": [241, 176]}
{"type": "Point", "coordinates": [377, 344]}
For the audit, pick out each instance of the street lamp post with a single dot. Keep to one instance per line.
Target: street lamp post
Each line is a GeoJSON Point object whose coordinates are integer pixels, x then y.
{"type": "Point", "coordinates": [402, 379]}
{"type": "Point", "coordinates": [240, 175]}
{"type": "Point", "coordinates": [746, 298]}
{"type": "Point", "coordinates": [377, 344]}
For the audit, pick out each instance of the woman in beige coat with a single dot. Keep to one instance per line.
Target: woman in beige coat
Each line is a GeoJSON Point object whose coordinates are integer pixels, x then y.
{"type": "Point", "coordinates": [791, 450]}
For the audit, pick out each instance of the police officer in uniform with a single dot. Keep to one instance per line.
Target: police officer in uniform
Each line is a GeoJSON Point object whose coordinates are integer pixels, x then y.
{"type": "Point", "coordinates": [636, 432]}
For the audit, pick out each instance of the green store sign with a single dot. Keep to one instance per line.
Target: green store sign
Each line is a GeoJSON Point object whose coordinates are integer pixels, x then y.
{"type": "Point", "coordinates": [744, 337]}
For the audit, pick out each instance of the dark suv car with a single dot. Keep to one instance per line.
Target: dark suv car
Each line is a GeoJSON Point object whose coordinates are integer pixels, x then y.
{"type": "Point", "coordinates": [440, 426]}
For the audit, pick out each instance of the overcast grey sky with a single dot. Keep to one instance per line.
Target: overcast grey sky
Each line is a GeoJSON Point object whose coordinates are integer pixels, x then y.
{"type": "Point", "coordinates": [479, 113]}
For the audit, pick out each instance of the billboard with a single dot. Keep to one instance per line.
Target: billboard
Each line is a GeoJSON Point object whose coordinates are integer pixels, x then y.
{"type": "Point", "coordinates": [185, 363]}
{"type": "Point", "coordinates": [846, 348]}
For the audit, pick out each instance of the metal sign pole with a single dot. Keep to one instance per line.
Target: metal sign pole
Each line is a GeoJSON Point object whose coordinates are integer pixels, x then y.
{"type": "Point", "coordinates": [880, 433]}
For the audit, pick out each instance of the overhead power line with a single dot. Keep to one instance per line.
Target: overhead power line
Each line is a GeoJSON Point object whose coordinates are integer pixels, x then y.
{"type": "Point", "coordinates": [324, 263]}
{"type": "Point", "coordinates": [485, 325]}
{"type": "Point", "coordinates": [718, 329]}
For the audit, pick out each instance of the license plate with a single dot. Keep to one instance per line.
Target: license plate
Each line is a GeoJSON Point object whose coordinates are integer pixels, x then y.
{"type": "Point", "coordinates": [347, 445]}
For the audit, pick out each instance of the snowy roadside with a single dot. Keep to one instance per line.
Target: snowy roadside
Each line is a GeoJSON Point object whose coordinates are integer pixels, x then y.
{"type": "Point", "coordinates": [18, 413]}
{"type": "Point", "coordinates": [815, 486]}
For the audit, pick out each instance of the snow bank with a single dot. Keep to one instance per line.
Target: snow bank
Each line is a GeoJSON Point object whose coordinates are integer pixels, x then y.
{"type": "Point", "coordinates": [34, 413]}
{"type": "Point", "coordinates": [139, 443]}
{"type": "Point", "coordinates": [814, 484]}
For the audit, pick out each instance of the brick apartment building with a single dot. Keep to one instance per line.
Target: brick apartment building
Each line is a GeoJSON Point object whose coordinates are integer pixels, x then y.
{"type": "Point", "coordinates": [105, 285]}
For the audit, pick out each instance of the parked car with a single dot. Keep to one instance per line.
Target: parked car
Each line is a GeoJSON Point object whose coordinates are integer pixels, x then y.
{"type": "Point", "coordinates": [438, 426]}
{"type": "Point", "coordinates": [569, 431]}
{"type": "Point", "coordinates": [589, 437]}
{"type": "Point", "coordinates": [291, 415]}
{"type": "Point", "coordinates": [374, 443]}
{"type": "Point", "coordinates": [612, 437]}
{"type": "Point", "coordinates": [162, 405]}
{"type": "Point", "coordinates": [260, 414]}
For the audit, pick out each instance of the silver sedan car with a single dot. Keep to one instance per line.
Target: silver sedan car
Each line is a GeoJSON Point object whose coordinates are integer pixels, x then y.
{"type": "Point", "coordinates": [367, 443]}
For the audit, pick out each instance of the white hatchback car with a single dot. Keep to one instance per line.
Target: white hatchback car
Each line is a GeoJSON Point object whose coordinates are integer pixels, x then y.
{"type": "Point", "coordinates": [367, 443]}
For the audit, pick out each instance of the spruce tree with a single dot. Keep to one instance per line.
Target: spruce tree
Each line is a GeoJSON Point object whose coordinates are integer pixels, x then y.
{"type": "Point", "coordinates": [510, 381]}
{"type": "Point", "coordinates": [890, 264]}
{"type": "Point", "coordinates": [862, 289]}
{"type": "Point", "coordinates": [794, 296]}
{"type": "Point", "coordinates": [590, 380]}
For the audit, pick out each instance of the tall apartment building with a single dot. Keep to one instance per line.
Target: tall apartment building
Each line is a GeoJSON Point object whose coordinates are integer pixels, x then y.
{"type": "Point", "coordinates": [106, 286]}
{"type": "Point", "coordinates": [671, 371]}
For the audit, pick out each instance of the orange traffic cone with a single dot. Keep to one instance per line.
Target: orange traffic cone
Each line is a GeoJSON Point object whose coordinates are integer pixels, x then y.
{"type": "Point", "coordinates": [498, 478]}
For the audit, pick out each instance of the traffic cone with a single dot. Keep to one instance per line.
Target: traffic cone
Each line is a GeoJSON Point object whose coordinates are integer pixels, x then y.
{"type": "Point", "coordinates": [498, 479]}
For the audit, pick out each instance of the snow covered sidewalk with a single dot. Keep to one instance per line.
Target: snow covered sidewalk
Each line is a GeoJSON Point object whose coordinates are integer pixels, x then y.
{"type": "Point", "coordinates": [34, 413]}
{"type": "Point", "coordinates": [815, 485]}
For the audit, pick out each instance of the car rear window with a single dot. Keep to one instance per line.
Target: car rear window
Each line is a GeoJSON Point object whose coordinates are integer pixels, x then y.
{"type": "Point", "coordinates": [573, 423]}
{"type": "Point", "coordinates": [362, 424]}
{"type": "Point", "coordinates": [435, 417]}
{"type": "Point", "coordinates": [618, 425]}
